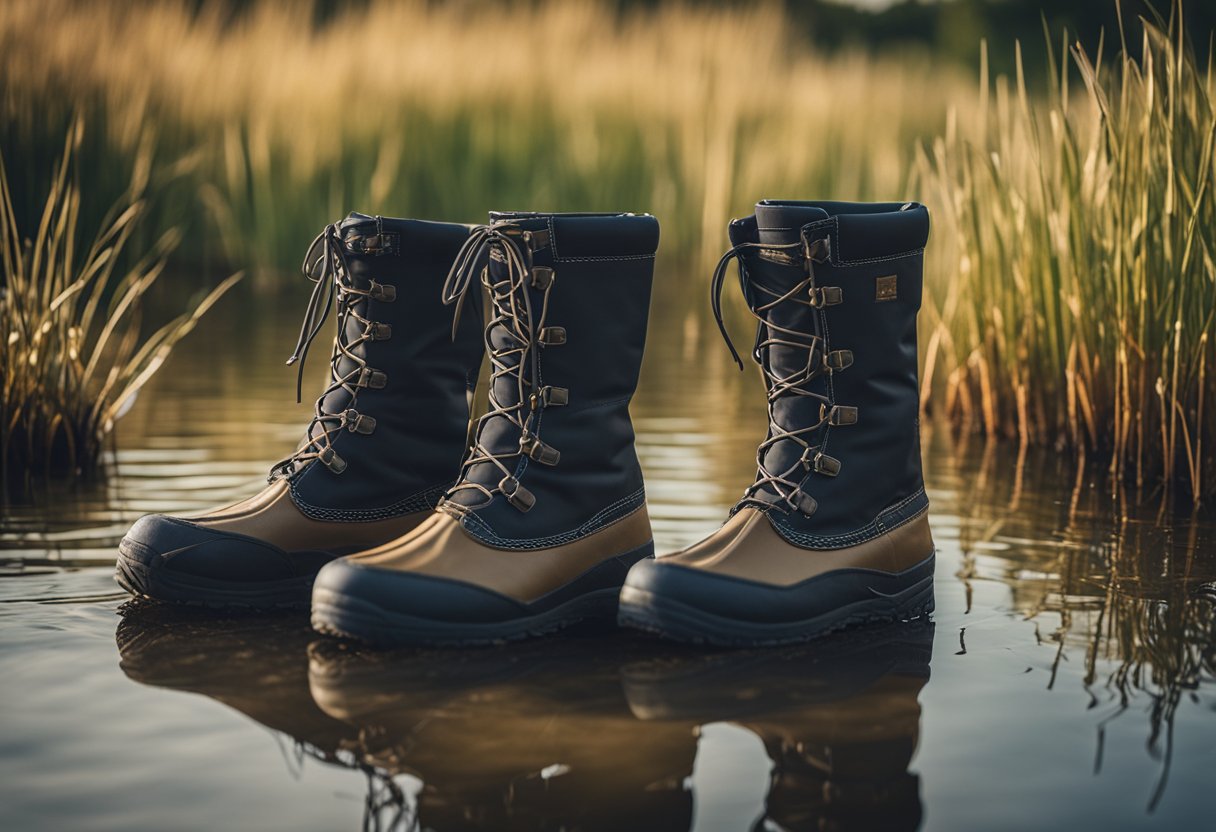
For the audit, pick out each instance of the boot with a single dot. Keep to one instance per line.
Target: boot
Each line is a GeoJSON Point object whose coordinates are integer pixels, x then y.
{"type": "Point", "coordinates": [384, 443]}
{"type": "Point", "coordinates": [549, 511]}
{"type": "Point", "coordinates": [834, 530]}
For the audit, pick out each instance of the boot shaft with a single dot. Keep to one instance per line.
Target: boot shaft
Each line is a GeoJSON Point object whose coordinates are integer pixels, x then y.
{"type": "Point", "coordinates": [840, 360]}
{"type": "Point", "coordinates": [569, 300]}
{"type": "Point", "coordinates": [394, 417]}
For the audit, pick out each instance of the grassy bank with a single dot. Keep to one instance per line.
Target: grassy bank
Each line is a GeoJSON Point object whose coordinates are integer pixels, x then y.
{"type": "Point", "coordinates": [1071, 287]}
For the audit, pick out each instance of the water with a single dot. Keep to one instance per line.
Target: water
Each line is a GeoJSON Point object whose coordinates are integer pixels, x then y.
{"type": "Point", "coordinates": [1068, 679]}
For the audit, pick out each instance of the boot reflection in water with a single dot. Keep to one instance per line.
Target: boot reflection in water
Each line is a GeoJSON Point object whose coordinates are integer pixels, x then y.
{"type": "Point", "coordinates": [258, 666]}
{"type": "Point", "coordinates": [584, 732]}
{"type": "Point", "coordinates": [840, 721]}
{"type": "Point", "coordinates": [532, 737]}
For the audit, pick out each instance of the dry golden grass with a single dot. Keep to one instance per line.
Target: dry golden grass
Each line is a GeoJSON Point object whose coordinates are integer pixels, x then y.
{"type": "Point", "coordinates": [689, 113]}
{"type": "Point", "coordinates": [1082, 230]}
{"type": "Point", "coordinates": [73, 353]}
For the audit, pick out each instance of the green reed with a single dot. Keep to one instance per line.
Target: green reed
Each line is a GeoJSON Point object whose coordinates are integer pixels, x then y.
{"type": "Point", "coordinates": [1075, 287]}
{"type": "Point", "coordinates": [74, 352]}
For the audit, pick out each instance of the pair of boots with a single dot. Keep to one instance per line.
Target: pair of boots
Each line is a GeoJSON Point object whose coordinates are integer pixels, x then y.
{"type": "Point", "coordinates": [546, 522]}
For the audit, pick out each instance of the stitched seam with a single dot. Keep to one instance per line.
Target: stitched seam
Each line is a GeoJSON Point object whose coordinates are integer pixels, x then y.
{"type": "Point", "coordinates": [869, 531]}
{"type": "Point", "coordinates": [592, 405]}
{"type": "Point", "coordinates": [605, 517]}
{"type": "Point", "coordinates": [428, 498]}
{"type": "Point", "coordinates": [603, 259]}
{"type": "Point", "coordinates": [882, 520]}
{"type": "Point", "coordinates": [900, 256]}
{"type": "Point", "coordinates": [834, 256]}
{"type": "Point", "coordinates": [866, 533]}
{"type": "Point", "coordinates": [573, 533]}
{"type": "Point", "coordinates": [833, 225]}
{"type": "Point", "coordinates": [557, 257]}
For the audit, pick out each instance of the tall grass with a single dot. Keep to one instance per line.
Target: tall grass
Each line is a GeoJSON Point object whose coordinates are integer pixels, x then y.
{"type": "Point", "coordinates": [447, 110]}
{"type": "Point", "coordinates": [1071, 277]}
{"type": "Point", "coordinates": [73, 353]}
{"type": "Point", "coordinates": [1075, 291]}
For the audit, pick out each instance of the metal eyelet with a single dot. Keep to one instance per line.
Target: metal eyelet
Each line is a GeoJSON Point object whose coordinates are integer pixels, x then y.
{"type": "Point", "coordinates": [804, 503]}
{"type": "Point", "coordinates": [356, 422]}
{"type": "Point", "coordinates": [549, 397]}
{"type": "Point", "coordinates": [838, 360]}
{"type": "Point", "coordinates": [537, 239]}
{"type": "Point", "coordinates": [838, 414]}
{"type": "Point", "coordinates": [385, 292]}
{"type": "Point", "coordinates": [826, 296]}
{"type": "Point", "coordinates": [372, 379]}
{"type": "Point", "coordinates": [516, 494]}
{"type": "Point", "coordinates": [534, 449]}
{"type": "Point", "coordinates": [552, 336]}
{"type": "Point", "coordinates": [827, 465]}
{"type": "Point", "coordinates": [816, 251]}
{"type": "Point", "coordinates": [330, 459]}
{"type": "Point", "coordinates": [542, 277]}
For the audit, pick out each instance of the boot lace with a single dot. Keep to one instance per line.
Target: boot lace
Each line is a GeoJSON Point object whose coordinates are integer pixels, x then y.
{"type": "Point", "coordinates": [325, 264]}
{"type": "Point", "coordinates": [821, 361]}
{"type": "Point", "coordinates": [513, 336]}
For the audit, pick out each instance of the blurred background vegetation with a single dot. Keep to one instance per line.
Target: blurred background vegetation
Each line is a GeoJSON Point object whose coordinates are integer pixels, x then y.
{"type": "Point", "coordinates": [1065, 149]}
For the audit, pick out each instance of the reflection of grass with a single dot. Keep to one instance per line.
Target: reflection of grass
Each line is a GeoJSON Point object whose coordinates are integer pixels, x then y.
{"type": "Point", "coordinates": [1157, 631]}
{"type": "Point", "coordinates": [73, 356]}
{"type": "Point", "coordinates": [1072, 269]}
{"type": "Point", "coordinates": [1130, 591]}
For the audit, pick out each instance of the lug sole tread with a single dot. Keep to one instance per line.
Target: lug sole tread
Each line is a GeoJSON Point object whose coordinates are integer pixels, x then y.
{"type": "Point", "coordinates": [675, 621]}
{"type": "Point", "coordinates": [349, 618]}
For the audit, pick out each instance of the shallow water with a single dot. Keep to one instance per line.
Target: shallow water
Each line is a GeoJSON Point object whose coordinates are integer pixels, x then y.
{"type": "Point", "coordinates": [1068, 679]}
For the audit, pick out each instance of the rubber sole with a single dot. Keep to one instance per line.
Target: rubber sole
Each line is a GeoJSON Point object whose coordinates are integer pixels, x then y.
{"type": "Point", "coordinates": [344, 616]}
{"type": "Point", "coordinates": [674, 620]}
{"type": "Point", "coordinates": [135, 574]}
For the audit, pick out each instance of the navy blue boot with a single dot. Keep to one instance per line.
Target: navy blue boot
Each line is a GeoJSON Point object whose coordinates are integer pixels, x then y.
{"type": "Point", "coordinates": [549, 513]}
{"type": "Point", "coordinates": [384, 444]}
{"type": "Point", "coordinates": [834, 530]}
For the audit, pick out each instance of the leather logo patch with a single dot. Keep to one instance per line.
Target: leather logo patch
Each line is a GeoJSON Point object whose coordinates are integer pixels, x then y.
{"type": "Point", "coordinates": [885, 288]}
{"type": "Point", "coordinates": [778, 256]}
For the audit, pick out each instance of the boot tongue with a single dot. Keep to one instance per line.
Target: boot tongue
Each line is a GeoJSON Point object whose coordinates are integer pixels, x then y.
{"type": "Point", "coordinates": [777, 225]}
{"type": "Point", "coordinates": [782, 223]}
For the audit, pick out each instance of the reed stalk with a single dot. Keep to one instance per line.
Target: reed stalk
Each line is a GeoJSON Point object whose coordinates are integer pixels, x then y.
{"type": "Point", "coordinates": [73, 348]}
{"type": "Point", "coordinates": [1075, 269]}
